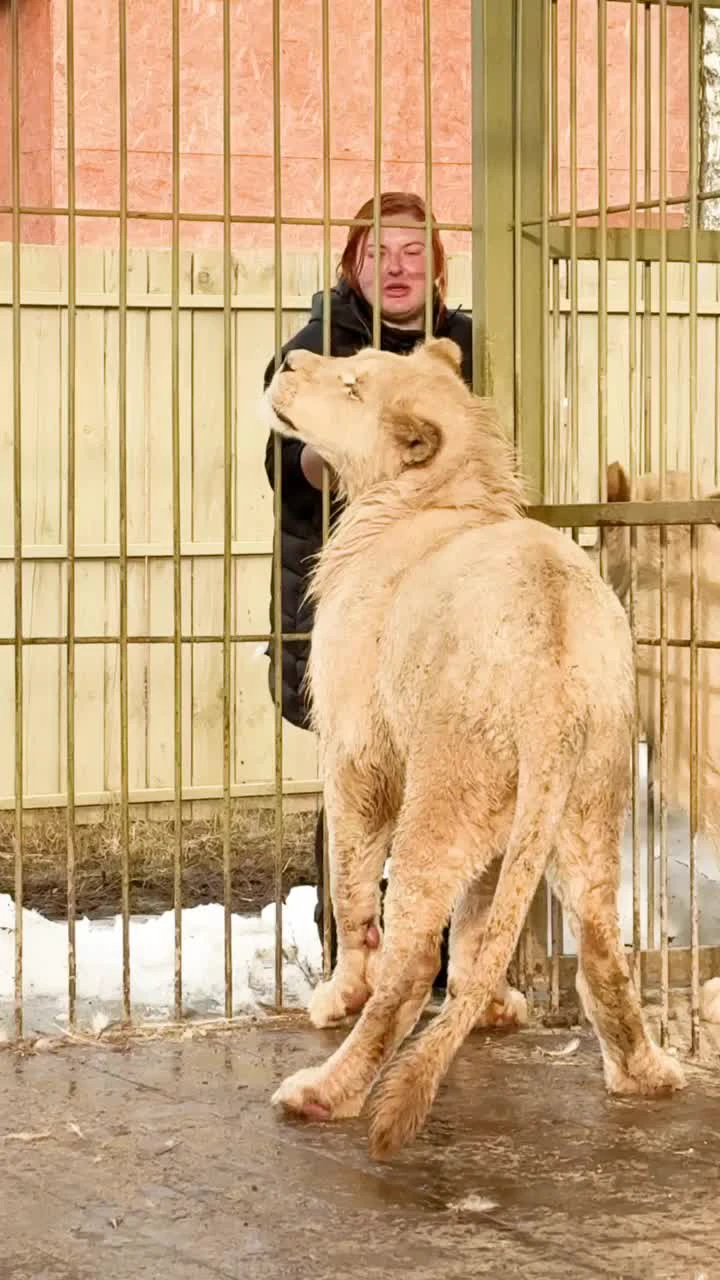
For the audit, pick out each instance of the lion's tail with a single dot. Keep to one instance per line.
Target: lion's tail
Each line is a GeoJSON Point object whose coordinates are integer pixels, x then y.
{"type": "Point", "coordinates": [408, 1088]}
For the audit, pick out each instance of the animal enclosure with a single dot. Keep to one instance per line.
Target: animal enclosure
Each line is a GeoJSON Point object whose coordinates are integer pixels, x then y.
{"type": "Point", "coordinates": [136, 524]}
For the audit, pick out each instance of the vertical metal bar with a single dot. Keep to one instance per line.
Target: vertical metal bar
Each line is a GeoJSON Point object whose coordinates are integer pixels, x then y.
{"type": "Point", "coordinates": [277, 562]}
{"type": "Point", "coordinates": [574, 274]}
{"type": "Point", "coordinates": [228, 461]}
{"type": "Point", "coordinates": [647, 462]}
{"type": "Point", "coordinates": [327, 187]}
{"type": "Point", "coordinates": [602, 267]}
{"type": "Point", "coordinates": [532, 289]}
{"type": "Point", "coordinates": [716, 414]}
{"type": "Point", "coordinates": [665, 958]}
{"type": "Point", "coordinates": [427, 103]}
{"type": "Point", "coordinates": [517, 220]}
{"type": "Point", "coordinates": [556, 918]}
{"type": "Point", "coordinates": [632, 266]}
{"type": "Point", "coordinates": [327, 349]}
{"type": "Point", "coordinates": [633, 429]}
{"type": "Point", "coordinates": [17, 510]}
{"type": "Point", "coordinates": [647, 456]}
{"type": "Point", "coordinates": [377, 170]}
{"type": "Point", "coordinates": [531, 303]}
{"type": "Point", "coordinates": [482, 371]}
{"type": "Point", "coordinates": [492, 204]}
{"type": "Point", "coordinates": [522, 949]}
{"type": "Point", "coordinates": [123, 499]}
{"type": "Point", "coordinates": [544, 236]}
{"type": "Point", "coordinates": [693, 163]}
{"type": "Point", "coordinates": [556, 933]}
{"type": "Point", "coordinates": [176, 464]}
{"type": "Point", "coordinates": [70, 649]}
{"type": "Point", "coordinates": [553, 491]}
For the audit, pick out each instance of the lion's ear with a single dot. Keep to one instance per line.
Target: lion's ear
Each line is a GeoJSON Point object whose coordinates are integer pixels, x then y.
{"type": "Point", "coordinates": [443, 349]}
{"type": "Point", "coordinates": [418, 439]}
{"type": "Point", "coordinates": [618, 485]}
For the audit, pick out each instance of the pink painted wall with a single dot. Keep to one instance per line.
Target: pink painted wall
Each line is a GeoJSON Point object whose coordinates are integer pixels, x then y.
{"type": "Point", "coordinates": [43, 102]}
{"type": "Point", "coordinates": [618, 99]}
{"type": "Point", "coordinates": [36, 81]}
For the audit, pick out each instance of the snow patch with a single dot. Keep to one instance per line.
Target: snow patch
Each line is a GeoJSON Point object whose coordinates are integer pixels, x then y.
{"type": "Point", "coordinates": [152, 958]}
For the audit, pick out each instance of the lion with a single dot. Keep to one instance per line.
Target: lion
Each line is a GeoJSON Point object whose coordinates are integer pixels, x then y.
{"type": "Point", "coordinates": [471, 678]}
{"type": "Point", "coordinates": [646, 488]}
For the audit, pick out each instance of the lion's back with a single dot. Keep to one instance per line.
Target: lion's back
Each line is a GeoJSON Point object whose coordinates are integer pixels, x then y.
{"type": "Point", "coordinates": [498, 615]}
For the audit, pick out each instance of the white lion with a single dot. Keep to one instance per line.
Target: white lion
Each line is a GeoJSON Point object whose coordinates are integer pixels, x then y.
{"type": "Point", "coordinates": [472, 684]}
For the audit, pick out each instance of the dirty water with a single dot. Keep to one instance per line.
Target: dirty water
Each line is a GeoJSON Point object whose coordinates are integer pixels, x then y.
{"type": "Point", "coordinates": [164, 1159]}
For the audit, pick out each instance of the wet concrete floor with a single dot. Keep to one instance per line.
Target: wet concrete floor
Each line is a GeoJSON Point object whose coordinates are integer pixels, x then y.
{"type": "Point", "coordinates": [165, 1160]}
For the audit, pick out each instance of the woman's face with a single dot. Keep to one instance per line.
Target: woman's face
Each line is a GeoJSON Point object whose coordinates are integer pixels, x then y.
{"type": "Point", "coordinates": [402, 274]}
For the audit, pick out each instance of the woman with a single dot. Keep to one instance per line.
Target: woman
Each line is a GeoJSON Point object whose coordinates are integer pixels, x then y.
{"type": "Point", "coordinates": [403, 284]}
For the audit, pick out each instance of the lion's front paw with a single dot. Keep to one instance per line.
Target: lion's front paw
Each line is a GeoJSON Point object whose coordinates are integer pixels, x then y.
{"type": "Point", "coordinates": [310, 1093]}
{"type": "Point", "coordinates": [302, 1094]}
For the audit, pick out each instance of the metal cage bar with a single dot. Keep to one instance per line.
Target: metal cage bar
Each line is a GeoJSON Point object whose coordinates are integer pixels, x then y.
{"type": "Point", "coordinates": [647, 430]}
{"type": "Point", "coordinates": [633, 449]}
{"type": "Point", "coordinates": [176, 509]}
{"type": "Point", "coordinates": [517, 222]}
{"type": "Point", "coordinates": [428, 149]}
{"type": "Point", "coordinates": [123, 505]}
{"type": "Point", "coordinates": [277, 490]}
{"type": "Point", "coordinates": [228, 471]}
{"type": "Point", "coordinates": [574, 443]}
{"type": "Point", "coordinates": [693, 165]}
{"type": "Point", "coordinates": [17, 513]}
{"type": "Point", "coordinates": [71, 496]}
{"type": "Point", "coordinates": [327, 350]}
{"type": "Point", "coordinates": [663, 447]}
{"type": "Point", "coordinates": [602, 163]}
{"type": "Point", "coordinates": [377, 165]}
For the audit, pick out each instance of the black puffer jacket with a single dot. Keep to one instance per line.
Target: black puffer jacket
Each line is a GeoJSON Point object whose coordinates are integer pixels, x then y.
{"type": "Point", "coordinates": [301, 514]}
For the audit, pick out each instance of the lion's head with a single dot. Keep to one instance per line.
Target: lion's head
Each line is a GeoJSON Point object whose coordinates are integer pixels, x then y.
{"type": "Point", "coordinates": [377, 417]}
{"type": "Point", "coordinates": [647, 488]}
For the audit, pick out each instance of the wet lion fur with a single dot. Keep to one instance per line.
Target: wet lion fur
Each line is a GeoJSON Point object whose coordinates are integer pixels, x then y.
{"type": "Point", "coordinates": [646, 606]}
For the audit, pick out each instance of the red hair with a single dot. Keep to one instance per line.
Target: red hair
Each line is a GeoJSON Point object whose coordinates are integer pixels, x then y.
{"type": "Point", "coordinates": [393, 204]}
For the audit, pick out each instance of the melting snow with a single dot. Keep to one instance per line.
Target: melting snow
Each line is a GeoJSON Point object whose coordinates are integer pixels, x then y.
{"type": "Point", "coordinates": [152, 951]}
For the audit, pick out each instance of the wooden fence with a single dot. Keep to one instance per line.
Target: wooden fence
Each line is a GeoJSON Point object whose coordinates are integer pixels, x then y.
{"type": "Point", "coordinates": [150, 525]}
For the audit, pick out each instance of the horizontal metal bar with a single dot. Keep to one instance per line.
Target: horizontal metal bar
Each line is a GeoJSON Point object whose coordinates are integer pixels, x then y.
{"type": "Point", "coordinates": [166, 795]}
{"type": "Point", "coordinates": [596, 515]}
{"type": "Point", "coordinates": [162, 301]}
{"type": "Point", "coordinates": [289, 638]}
{"type": "Point", "coordinates": [110, 551]}
{"type": "Point", "coordinates": [243, 219]}
{"type": "Point", "coordinates": [152, 301]}
{"type": "Point", "coordinates": [648, 205]}
{"type": "Point", "coordinates": [618, 244]}
{"type": "Point", "coordinates": [710, 308]}
{"type": "Point", "coordinates": [241, 638]}
{"type": "Point", "coordinates": [654, 642]}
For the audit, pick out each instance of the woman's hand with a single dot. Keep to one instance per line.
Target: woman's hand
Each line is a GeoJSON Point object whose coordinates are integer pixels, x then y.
{"type": "Point", "coordinates": [312, 466]}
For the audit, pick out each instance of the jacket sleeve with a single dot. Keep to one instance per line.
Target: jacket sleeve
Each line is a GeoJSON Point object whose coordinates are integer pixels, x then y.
{"type": "Point", "coordinates": [296, 489]}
